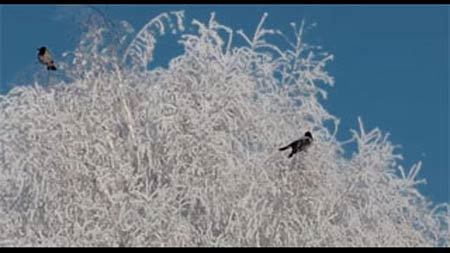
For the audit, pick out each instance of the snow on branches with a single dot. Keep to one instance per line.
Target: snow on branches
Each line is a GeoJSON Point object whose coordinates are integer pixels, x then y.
{"type": "Point", "coordinates": [187, 156]}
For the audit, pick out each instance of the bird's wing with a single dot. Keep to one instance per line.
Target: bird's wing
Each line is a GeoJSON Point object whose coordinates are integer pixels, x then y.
{"type": "Point", "coordinates": [303, 142]}
{"type": "Point", "coordinates": [294, 143]}
{"type": "Point", "coordinates": [40, 58]}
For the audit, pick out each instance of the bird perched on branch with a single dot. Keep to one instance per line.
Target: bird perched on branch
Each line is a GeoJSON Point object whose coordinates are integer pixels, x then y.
{"type": "Point", "coordinates": [46, 58]}
{"type": "Point", "coordinates": [300, 144]}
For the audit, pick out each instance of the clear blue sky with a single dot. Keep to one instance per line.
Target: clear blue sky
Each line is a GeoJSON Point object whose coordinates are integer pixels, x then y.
{"type": "Point", "coordinates": [391, 62]}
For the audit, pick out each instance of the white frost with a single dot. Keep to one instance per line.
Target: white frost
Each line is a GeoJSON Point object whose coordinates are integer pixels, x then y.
{"type": "Point", "coordinates": [187, 156]}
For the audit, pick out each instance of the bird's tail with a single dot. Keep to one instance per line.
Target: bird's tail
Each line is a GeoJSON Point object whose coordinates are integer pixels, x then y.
{"type": "Point", "coordinates": [51, 67]}
{"type": "Point", "coordinates": [283, 148]}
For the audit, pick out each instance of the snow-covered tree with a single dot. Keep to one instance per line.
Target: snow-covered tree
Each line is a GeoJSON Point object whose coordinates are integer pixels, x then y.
{"type": "Point", "coordinates": [112, 153]}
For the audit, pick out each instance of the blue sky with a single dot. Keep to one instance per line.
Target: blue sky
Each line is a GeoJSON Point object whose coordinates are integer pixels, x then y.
{"type": "Point", "coordinates": [391, 62]}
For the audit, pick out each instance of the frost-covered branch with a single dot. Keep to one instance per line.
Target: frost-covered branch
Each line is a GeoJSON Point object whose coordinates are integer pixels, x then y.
{"type": "Point", "coordinates": [188, 155]}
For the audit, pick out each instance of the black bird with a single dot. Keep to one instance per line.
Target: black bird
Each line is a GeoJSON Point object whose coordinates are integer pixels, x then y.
{"type": "Point", "coordinates": [46, 59]}
{"type": "Point", "coordinates": [300, 144]}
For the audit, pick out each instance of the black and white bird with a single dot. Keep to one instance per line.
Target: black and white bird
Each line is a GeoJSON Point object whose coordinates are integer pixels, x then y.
{"type": "Point", "coordinates": [300, 144]}
{"type": "Point", "coordinates": [46, 58]}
